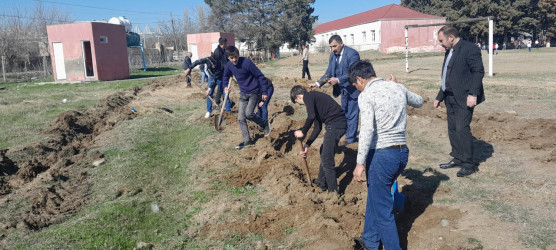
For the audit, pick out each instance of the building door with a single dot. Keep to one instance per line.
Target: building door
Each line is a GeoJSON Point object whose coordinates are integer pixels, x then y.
{"type": "Point", "coordinates": [213, 46]}
{"type": "Point", "coordinates": [88, 59]}
{"type": "Point", "coordinates": [193, 49]}
{"type": "Point", "coordinates": [59, 61]}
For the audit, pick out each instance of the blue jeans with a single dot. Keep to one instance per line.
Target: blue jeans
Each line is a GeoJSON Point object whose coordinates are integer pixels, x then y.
{"type": "Point", "coordinates": [203, 77]}
{"type": "Point", "coordinates": [383, 167]}
{"type": "Point", "coordinates": [247, 104]}
{"type": "Point", "coordinates": [351, 109]}
{"type": "Point", "coordinates": [262, 112]}
{"type": "Point", "coordinates": [213, 85]}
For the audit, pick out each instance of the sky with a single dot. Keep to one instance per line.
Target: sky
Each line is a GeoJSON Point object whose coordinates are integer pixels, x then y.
{"type": "Point", "coordinates": [149, 12]}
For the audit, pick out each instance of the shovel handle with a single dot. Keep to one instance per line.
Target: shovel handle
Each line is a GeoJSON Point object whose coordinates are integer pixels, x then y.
{"type": "Point", "coordinates": [305, 164]}
{"type": "Point", "coordinates": [224, 104]}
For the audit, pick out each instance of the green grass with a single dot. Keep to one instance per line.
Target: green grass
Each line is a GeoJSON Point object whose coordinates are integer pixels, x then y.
{"type": "Point", "coordinates": [146, 161]}
{"type": "Point", "coordinates": [539, 230]}
{"type": "Point", "coordinates": [26, 110]}
{"type": "Point", "coordinates": [154, 72]}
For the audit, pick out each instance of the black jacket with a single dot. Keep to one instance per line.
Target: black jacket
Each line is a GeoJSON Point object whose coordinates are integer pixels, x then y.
{"type": "Point", "coordinates": [464, 75]}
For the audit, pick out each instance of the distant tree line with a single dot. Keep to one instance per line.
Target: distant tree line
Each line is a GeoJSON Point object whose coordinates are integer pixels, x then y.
{"type": "Point", "coordinates": [537, 17]}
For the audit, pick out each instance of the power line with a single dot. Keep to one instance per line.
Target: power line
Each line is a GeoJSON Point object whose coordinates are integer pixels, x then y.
{"type": "Point", "coordinates": [101, 8]}
{"type": "Point", "coordinates": [35, 18]}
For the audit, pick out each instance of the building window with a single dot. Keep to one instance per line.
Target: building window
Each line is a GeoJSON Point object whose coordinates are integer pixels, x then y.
{"type": "Point", "coordinates": [373, 37]}
{"type": "Point", "coordinates": [103, 39]}
{"type": "Point", "coordinates": [364, 36]}
{"type": "Point", "coordinates": [352, 39]}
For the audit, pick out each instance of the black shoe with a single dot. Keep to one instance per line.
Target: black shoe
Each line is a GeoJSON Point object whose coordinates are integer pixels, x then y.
{"type": "Point", "coordinates": [320, 185]}
{"type": "Point", "coordinates": [266, 129]}
{"type": "Point", "coordinates": [452, 164]}
{"type": "Point", "coordinates": [245, 144]}
{"type": "Point", "coordinates": [466, 170]}
{"type": "Point", "coordinates": [359, 243]}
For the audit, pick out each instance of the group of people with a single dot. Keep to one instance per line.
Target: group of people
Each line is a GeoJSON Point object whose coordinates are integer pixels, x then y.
{"type": "Point", "coordinates": [255, 90]}
{"type": "Point", "coordinates": [382, 106]}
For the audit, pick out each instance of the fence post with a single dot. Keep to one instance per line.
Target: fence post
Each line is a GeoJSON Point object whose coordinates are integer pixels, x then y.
{"type": "Point", "coordinates": [44, 66]}
{"type": "Point", "coordinates": [3, 68]}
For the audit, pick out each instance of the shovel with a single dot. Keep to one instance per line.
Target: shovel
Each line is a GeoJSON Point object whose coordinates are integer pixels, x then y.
{"type": "Point", "coordinates": [399, 198]}
{"type": "Point", "coordinates": [305, 164]}
{"type": "Point", "coordinates": [218, 118]}
{"type": "Point", "coordinates": [208, 96]}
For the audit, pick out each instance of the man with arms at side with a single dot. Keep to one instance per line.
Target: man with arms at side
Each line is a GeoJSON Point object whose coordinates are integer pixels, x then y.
{"type": "Point", "coordinates": [382, 151]}
{"type": "Point", "coordinates": [321, 108]}
{"type": "Point", "coordinates": [253, 87]}
{"type": "Point", "coordinates": [338, 64]}
{"type": "Point", "coordinates": [186, 66]}
{"type": "Point", "coordinates": [461, 91]}
{"type": "Point", "coordinates": [305, 59]}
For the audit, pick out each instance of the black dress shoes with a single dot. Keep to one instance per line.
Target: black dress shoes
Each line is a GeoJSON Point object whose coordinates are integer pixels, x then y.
{"type": "Point", "coordinates": [451, 164]}
{"type": "Point", "coordinates": [466, 170]}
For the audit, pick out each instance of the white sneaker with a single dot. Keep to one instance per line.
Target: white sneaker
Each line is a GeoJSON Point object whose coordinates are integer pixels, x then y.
{"type": "Point", "coordinates": [207, 115]}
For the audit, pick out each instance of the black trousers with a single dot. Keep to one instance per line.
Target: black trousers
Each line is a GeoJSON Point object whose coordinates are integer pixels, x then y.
{"type": "Point", "coordinates": [459, 130]}
{"type": "Point", "coordinates": [327, 171]}
{"type": "Point", "coordinates": [306, 69]}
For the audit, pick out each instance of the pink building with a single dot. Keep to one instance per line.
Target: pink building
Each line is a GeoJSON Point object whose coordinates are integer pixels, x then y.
{"type": "Point", "coordinates": [88, 51]}
{"type": "Point", "coordinates": [202, 44]}
{"type": "Point", "coordinates": [382, 29]}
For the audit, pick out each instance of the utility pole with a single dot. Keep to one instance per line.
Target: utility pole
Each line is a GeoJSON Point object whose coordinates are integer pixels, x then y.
{"type": "Point", "coordinates": [3, 69]}
{"type": "Point", "coordinates": [174, 32]}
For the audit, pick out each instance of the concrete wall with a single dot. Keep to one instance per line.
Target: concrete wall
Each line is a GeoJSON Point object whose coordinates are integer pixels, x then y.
{"type": "Point", "coordinates": [361, 37]}
{"type": "Point", "coordinates": [386, 36]}
{"type": "Point", "coordinates": [422, 39]}
{"type": "Point", "coordinates": [71, 37]}
{"type": "Point", "coordinates": [202, 44]}
{"type": "Point", "coordinates": [109, 60]}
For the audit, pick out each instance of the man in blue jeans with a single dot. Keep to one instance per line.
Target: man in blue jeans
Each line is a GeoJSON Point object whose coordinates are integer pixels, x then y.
{"type": "Point", "coordinates": [262, 108]}
{"type": "Point", "coordinates": [214, 69]}
{"type": "Point", "coordinates": [253, 87]}
{"type": "Point", "coordinates": [382, 151]}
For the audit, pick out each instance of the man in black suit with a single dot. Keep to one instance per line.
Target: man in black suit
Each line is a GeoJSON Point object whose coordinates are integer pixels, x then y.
{"type": "Point", "coordinates": [461, 91]}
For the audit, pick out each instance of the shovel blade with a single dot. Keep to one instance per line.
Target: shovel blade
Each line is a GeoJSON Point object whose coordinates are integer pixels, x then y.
{"type": "Point", "coordinates": [219, 123]}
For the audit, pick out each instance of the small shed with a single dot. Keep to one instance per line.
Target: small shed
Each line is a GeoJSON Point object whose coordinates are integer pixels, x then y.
{"type": "Point", "coordinates": [202, 44]}
{"type": "Point", "coordinates": [88, 51]}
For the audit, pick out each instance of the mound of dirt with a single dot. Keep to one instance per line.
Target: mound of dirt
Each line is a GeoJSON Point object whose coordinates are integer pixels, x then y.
{"type": "Point", "coordinates": [324, 221]}
{"type": "Point", "coordinates": [61, 161]}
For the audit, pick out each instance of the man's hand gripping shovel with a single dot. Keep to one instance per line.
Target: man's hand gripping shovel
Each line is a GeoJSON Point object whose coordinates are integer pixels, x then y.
{"type": "Point", "coordinates": [218, 121]}
{"type": "Point", "coordinates": [303, 154]}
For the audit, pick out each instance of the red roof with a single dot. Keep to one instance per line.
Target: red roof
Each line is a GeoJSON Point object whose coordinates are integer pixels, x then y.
{"type": "Point", "coordinates": [392, 11]}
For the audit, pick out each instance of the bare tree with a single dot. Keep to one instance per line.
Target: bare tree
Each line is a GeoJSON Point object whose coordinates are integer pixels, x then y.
{"type": "Point", "coordinates": [23, 33]}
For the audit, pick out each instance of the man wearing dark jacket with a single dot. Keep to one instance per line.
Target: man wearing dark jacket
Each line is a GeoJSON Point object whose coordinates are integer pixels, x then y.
{"type": "Point", "coordinates": [186, 65]}
{"type": "Point", "coordinates": [220, 55]}
{"type": "Point", "coordinates": [253, 87]}
{"type": "Point", "coordinates": [321, 108]}
{"type": "Point", "coordinates": [461, 91]}
{"type": "Point", "coordinates": [337, 74]}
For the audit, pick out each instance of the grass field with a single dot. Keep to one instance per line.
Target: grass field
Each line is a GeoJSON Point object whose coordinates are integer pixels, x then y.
{"type": "Point", "coordinates": [168, 177]}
